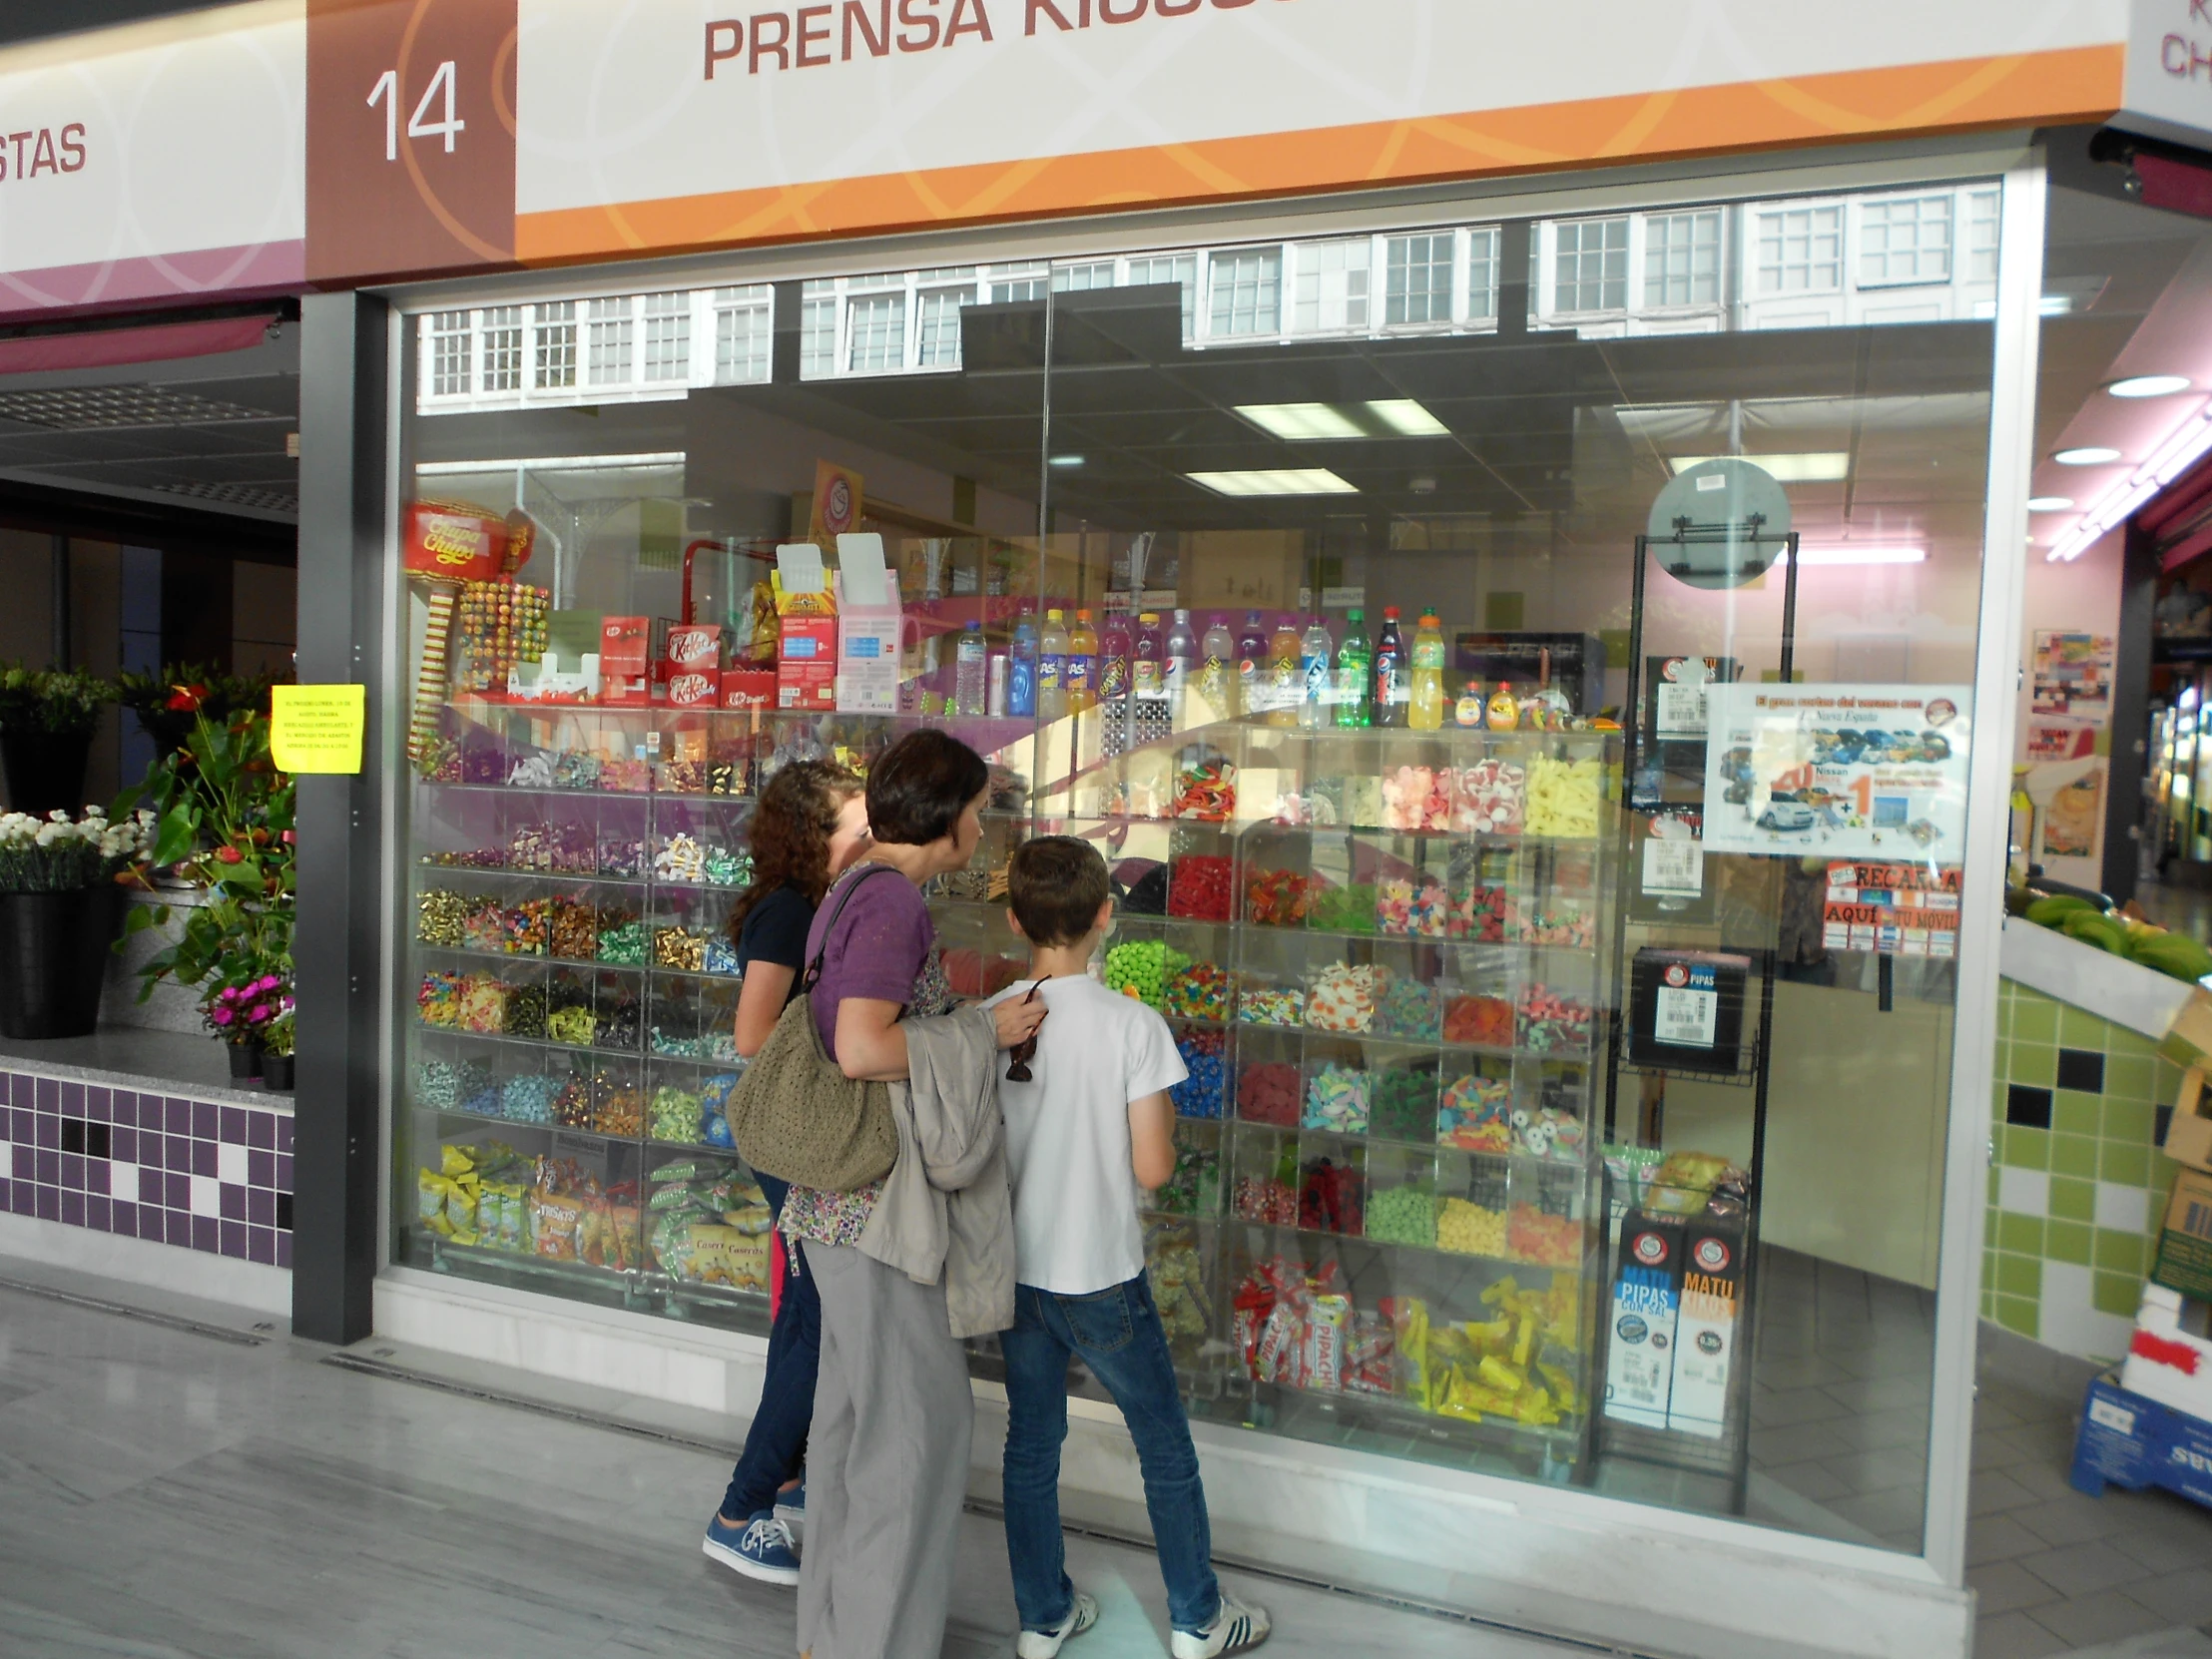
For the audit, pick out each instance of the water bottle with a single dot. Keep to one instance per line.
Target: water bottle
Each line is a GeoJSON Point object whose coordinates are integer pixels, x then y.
{"type": "Point", "coordinates": [1216, 672]}
{"type": "Point", "coordinates": [1393, 688]}
{"type": "Point", "coordinates": [1021, 673]}
{"type": "Point", "coordinates": [1179, 664]}
{"type": "Point", "coordinates": [1252, 666]}
{"type": "Point", "coordinates": [1354, 669]}
{"type": "Point", "coordinates": [970, 671]}
{"type": "Point", "coordinates": [1052, 663]}
{"type": "Point", "coordinates": [1317, 655]}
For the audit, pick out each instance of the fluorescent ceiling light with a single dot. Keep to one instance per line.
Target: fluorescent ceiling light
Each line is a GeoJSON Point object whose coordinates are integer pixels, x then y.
{"type": "Point", "coordinates": [550, 463]}
{"type": "Point", "coordinates": [1853, 553]}
{"type": "Point", "coordinates": [1824, 466]}
{"type": "Point", "coordinates": [1407, 418]}
{"type": "Point", "coordinates": [1063, 461]}
{"type": "Point", "coordinates": [1296, 480]}
{"type": "Point", "coordinates": [2050, 503]}
{"type": "Point", "coordinates": [1300, 422]}
{"type": "Point", "coordinates": [1388, 417]}
{"type": "Point", "coordinates": [2180, 451]}
{"type": "Point", "coordinates": [2093, 454]}
{"type": "Point", "coordinates": [2149, 385]}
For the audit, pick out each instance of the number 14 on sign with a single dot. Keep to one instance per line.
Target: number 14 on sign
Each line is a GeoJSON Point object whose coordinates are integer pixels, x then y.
{"type": "Point", "coordinates": [386, 93]}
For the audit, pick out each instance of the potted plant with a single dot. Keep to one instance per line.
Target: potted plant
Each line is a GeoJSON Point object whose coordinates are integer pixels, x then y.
{"type": "Point", "coordinates": [168, 704]}
{"type": "Point", "coordinates": [239, 1006]}
{"type": "Point", "coordinates": [277, 1059]}
{"type": "Point", "coordinates": [224, 817]}
{"type": "Point", "coordinates": [59, 901]}
{"type": "Point", "coordinates": [47, 718]}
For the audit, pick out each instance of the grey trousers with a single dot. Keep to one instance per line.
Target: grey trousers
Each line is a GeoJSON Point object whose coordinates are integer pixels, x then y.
{"type": "Point", "coordinates": [886, 1465]}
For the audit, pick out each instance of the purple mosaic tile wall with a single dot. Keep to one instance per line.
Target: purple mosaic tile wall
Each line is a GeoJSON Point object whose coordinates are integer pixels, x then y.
{"type": "Point", "coordinates": [192, 1173]}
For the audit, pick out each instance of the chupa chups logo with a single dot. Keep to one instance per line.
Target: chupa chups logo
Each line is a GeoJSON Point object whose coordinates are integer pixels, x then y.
{"type": "Point", "coordinates": [1712, 1254]}
{"type": "Point", "coordinates": [1650, 1249]}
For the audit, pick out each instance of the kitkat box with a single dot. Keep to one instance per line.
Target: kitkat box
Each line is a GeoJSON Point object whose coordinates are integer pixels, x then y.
{"type": "Point", "coordinates": [749, 688]}
{"type": "Point", "coordinates": [624, 648]}
{"type": "Point", "coordinates": [691, 668]}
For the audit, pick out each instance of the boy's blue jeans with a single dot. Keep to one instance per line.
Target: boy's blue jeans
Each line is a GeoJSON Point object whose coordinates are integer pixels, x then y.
{"type": "Point", "coordinates": [1118, 1335]}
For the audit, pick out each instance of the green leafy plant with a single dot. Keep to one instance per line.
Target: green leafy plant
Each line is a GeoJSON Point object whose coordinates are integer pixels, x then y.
{"type": "Point", "coordinates": [222, 817]}
{"type": "Point", "coordinates": [66, 702]}
{"type": "Point", "coordinates": [166, 704]}
{"type": "Point", "coordinates": [277, 1035]}
{"type": "Point", "coordinates": [57, 854]}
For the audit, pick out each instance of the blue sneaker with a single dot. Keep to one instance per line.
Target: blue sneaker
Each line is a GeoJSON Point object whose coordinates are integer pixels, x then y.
{"type": "Point", "coordinates": [763, 1548]}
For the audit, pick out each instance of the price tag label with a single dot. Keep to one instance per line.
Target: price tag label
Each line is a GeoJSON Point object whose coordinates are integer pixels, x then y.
{"type": "Point", "coordinates": [1673, 868]}
{"type": "Point", "coordinates": [1687, 1010]}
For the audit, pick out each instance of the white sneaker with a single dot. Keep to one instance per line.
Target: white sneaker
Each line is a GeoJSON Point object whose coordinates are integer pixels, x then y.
{"type": "Point", "coordinates": [1237, 1629]}
{"type": "Point", "coordinates": [1044, 1644]}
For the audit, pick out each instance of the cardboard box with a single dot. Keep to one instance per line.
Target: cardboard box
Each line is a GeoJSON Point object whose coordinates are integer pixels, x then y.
{"type": "Point", "coordinates": [2169, 1359]}
{"type": "Point", "coordinates": [869, 622]}
{"type": "Point", "coordinates": [625, 660]}
{"type": "Point", "coordinates": [2188, 1042]}
{"type": "Point", "coordinates": [806, 631]}
{"type": "Point", "coordinates": [2185, 1238]}
{"type": "Point", "coordinates": [749, 688]}
{"type": "Point", "coordinates": [2189, 1131]}
{"type": "Point", "coordinates": [2135, 1442]}
{"type": "Point", "coordinates": [1706, 1333]}
{"type": "Point", "coordinates": [1646, 1308]}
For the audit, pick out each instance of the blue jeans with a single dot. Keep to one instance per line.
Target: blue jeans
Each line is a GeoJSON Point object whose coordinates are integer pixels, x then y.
{"type": "Point", "coordinates": [1117, 1333]}
{"type": "Point", "coordinates": [776, 1444]}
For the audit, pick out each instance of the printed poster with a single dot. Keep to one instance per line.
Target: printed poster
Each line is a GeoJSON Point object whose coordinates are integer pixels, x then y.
{"type": "Point", "coordinates": [1898, 909]}
{"type": "Point", "coordinates": [2074, 675]}
{"type": "Point", "coordinates": [2059, 739]}
{"type": "Point", "coordinates": [1872, 771]}
{"type": "Point", "coordinates": [2074, 816]}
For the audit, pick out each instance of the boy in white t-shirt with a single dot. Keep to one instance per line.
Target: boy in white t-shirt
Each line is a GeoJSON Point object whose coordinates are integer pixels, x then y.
{"type": "Point", "coordinates": [1089, 1122]}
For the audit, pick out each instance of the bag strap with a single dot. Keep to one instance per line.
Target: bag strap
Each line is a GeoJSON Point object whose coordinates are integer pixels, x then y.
{"type": "Point", "coordinates": [814, 968]}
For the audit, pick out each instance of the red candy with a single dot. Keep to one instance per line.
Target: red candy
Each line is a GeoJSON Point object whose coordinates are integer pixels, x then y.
{"type": "Point", "coordinates": [1201, 887]}
{"type": "Point", "coordinates": [1482, 1021]}
{"type": "Point", "coordinates": [1329, 1199]}
{"type": "Point", "coordinates": [1269, 1092]}
{"type": "Point", "coordinates": [1277, 898]}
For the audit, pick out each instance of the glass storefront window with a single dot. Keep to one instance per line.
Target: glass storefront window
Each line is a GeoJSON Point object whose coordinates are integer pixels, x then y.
{"type": "Point", "coordinates": [1525, 1131]}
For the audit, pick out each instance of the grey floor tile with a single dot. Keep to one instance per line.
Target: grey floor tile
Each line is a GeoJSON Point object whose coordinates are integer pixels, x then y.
{"type": "Point", "coordinates": [2072, 1519]}
{"type": "Point", "coordinates": [1795, 1405]}
{"type": "Point", "coordinates": [2015, 1636]}
{"type": "Point", "coordinates": [2000, 1538]}
{"type": "Point", "coordinates": [2083, 1569]}
{"type": "Point", "coordinates": [1994, 1492]}
{"type": "Point", "coordinates": [2165, 1548]}
{"type": "Point", "coordinates": [2183, 1597]}
{"type": "Point", "coordinates": [1811, 1480]}
{"type": "Point", "coordinates": [1880, 1472]}
{"type": "Point", "coordinates": [2007, 1588]}
{"type": "Point", "coordinates": [2104, 1618]}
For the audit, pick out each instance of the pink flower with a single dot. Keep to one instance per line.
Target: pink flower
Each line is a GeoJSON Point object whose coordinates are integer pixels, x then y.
{"type": "Point", "coordinates": [228, 993]}
{"type": "Point", "coordinates": [221, 1016]}
{"type": "Point", "coordinates": [266, 982]}
{"type": "Point", "coordinates": [258, 1013]}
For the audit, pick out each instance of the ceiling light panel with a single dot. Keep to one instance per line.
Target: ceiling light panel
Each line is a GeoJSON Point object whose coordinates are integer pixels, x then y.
{"type": "Point", "coordinates": [2149, 385]}
{"type": "Point", "coordinates": [1846, 553]}
{"type": "Point", "coordinates": [1407, 418]}
{"type": "Point", "coordinates": [1820, 466]}
{"type": "Point", "coordinates": [1304, 480]}
{"type": "Point", "coordinates": [2050, 503]}
{"type": "Point", "coordinates": [2094, 454]}
{"type": "Point", "coordinates": [1300, 422]}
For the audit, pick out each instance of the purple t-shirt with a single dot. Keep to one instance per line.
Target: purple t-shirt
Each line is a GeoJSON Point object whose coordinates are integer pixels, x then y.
{"type": "Point", "coordinates": [882, 938]}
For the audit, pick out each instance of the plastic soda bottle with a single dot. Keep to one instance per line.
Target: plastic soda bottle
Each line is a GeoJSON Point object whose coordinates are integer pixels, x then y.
{"type": "Point", "coordinates": [1080, 676]}
{"type": "Point", "coordinates": [1021, 671]}
{"type": "Point", "coordinates": [1149, 707]}
{"type": "Point", "coordinates": [1217, 669]}
{"type": "Point", "coordinates": [970, 671]}
{"type": "Point", "coordinates": [1355, 671]}
{"type": "Point", "coordinates": [1284, 684]}
{"type": "Point", "coordinates": [1180, 660]}
{"type": "Point", "coordinates": [1252, 667]}
{"type": "Point", "coordinates": [1317, 698]}
{"type": "Point", "coordinates": [1052, 662]}
{"type": "Point", "coordinates": [1428, 675]}
{"type": "Point", "coordinates": [1393, 686]}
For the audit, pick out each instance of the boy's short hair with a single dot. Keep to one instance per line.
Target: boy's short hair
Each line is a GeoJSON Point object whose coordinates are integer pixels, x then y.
{"type": "Point", "coordinates": [1055, 885]}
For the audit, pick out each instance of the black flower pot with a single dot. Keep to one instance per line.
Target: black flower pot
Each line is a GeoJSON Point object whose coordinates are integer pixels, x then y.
{"type": "Point", "coordinates": [46, 769]}
{"type": "Point", "coordinates": [246, 1061]}
{"type": "Point", "coordinates": [276, 1072]}
{"type": "Point", "coordinates": [54, 955]}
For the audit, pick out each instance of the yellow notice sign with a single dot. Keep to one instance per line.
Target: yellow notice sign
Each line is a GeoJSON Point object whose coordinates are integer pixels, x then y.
{"type": "Point", "coordinates": [317, 728]}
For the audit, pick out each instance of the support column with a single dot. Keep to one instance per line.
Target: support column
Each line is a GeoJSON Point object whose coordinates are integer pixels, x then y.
{"type": "Point", "coordinates": [337, 1134]}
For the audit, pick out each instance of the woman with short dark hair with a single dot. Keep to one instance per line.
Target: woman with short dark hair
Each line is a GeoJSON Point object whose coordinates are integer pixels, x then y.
{"type": "Point", "coordinates": [888, 1462]}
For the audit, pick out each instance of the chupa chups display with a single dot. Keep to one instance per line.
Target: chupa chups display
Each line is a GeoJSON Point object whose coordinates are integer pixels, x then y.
{"type": "Point", "coordinates": [459, 542]}
{"type": "Point", "coordinates": [497, 626]}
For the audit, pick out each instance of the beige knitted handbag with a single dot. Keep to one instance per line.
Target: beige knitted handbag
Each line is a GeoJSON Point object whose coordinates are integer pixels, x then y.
{"type": "Point", "coordinates": [795, 1115]}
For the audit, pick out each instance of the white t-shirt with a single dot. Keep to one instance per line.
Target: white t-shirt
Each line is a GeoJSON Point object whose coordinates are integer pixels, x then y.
{"type": "Point", "coordinates": [1068, 1134]}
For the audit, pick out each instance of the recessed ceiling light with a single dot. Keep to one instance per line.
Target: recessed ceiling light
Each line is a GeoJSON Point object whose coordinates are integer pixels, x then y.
{"type": "Point", "coordinates": [1297, 480]}
{"type": "Point", "coordinates": [1826, 466]}
{"type": "Point", "coordinates": [2149, 385]}
{"type": "Point", "coordinates": [1063, 461]}
{"type": "Point", "coordinates": [1300, 422]}
{"type": "Point", "coordinates": [1407, 418]}
{"type": "Point", "coordinates": [2050, 503]}
{"type": "Point", "coordinates": [1850, 553]}
{"type": "Point", "coordinates": [2088, 455]}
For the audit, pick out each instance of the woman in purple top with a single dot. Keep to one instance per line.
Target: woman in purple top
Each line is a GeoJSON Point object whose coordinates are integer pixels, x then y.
{"type": "Point", "coordinates": [887, 1458]}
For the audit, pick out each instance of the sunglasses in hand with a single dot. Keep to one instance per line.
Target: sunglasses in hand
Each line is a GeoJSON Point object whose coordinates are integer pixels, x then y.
{"type": "Point", "coordinates": [1025, 1050]}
